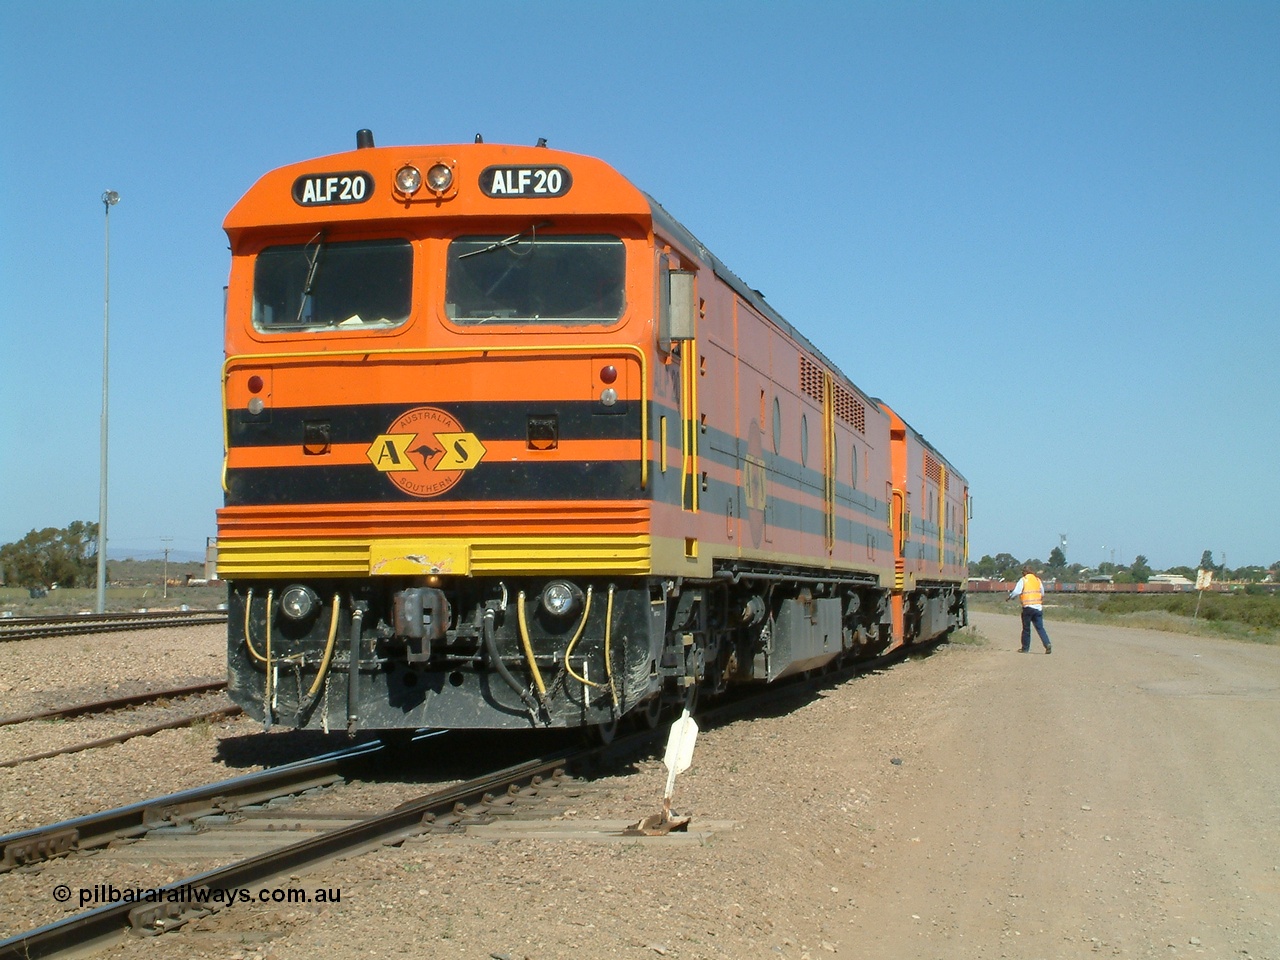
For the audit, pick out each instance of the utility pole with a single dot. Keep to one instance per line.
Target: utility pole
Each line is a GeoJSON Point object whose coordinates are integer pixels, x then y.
{"type": "Point", "coordinates": [166, 541]}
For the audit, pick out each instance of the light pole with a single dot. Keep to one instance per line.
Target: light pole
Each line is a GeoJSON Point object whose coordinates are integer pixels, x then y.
{"type": "Point", "coordinates": [109, 199]}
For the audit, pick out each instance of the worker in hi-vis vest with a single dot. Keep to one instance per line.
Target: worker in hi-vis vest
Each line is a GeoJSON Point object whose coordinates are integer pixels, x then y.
{"type": "Point", "coordinates": [1031, 590]}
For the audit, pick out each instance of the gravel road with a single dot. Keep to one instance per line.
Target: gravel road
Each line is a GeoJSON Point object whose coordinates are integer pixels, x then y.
{"type": "Point", "coordinates": [1117, 798]}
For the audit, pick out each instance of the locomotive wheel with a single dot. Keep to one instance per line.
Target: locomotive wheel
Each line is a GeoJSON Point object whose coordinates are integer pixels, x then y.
{"type": "Point", "coordinates": [601, 734]}
{"type": "Point", "coordinates": [650, 713]}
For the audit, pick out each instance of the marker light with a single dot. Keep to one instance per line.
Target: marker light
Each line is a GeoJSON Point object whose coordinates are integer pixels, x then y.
{"type": "Point", "coordinates": [256, 405]}
{"type": "Point", "coordinates": [408, 180]}
{"type": "Point", "coordinates": [298, 602]}
{"type": "Point", "coordinates": [608, 396]}
{"type": "Point", "coordinates": [255, 384]}
{"type": "Point", "coordinates": [608, 374]}
{"type": "Point", "coordinates": [561, 598]}
{"type": "Point", "coordinates": [440, 177]}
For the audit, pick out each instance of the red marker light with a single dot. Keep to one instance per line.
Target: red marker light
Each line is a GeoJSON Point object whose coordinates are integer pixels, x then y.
{"type": "Point", "coordinates": [255, 384]}
{"type": "Point", "coordinates": [608, 374]}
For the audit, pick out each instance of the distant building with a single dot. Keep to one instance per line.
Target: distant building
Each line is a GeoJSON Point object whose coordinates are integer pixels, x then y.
{"type": "Point", "coordinates": [1174, 579]}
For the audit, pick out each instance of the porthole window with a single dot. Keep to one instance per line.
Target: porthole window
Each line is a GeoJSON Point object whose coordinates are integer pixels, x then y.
{"type": "Point", "coordinates": [777, 426]}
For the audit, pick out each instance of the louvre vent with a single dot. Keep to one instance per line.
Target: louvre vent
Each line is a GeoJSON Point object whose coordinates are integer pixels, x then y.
{"type": "Point", "coordinates": [847, 406]}
{"type": "Point", "coordinates": [811, 378]}
{"type": "Point", "coordinates": [850, 409]}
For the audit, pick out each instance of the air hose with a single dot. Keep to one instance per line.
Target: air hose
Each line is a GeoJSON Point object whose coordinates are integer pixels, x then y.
{"type": "Point", "coordinates": [568, 651]}
{"type": "Point", "coordinates": [528, 652]}
{"type": "Point", "coordinates": [309, 702]}
{"type": "Point", "coordinates": [491, 647]}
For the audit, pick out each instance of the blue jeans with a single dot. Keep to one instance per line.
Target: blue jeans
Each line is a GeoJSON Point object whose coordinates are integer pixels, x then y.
{"type": "Point", "coordinates": [1030, 615]}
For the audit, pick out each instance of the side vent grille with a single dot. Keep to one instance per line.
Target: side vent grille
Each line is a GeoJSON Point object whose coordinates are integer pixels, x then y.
{"type": "Point", "coordinates": [847, 406]}
{"type": "Point", "coordinates": [810, 378]}
{"type": "Point", "coordinates": [850, 409]}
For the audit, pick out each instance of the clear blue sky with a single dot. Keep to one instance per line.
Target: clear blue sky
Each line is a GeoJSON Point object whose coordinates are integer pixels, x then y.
{"type": "Point", "coordinates": [1047, 233]}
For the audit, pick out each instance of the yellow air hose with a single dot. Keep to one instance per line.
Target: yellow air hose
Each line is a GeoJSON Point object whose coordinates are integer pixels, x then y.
{"type": "Point", "coordinates": [608, 659]}
{"type": "Point", "coordinates": [528, 651]}
{"type": "Point", "coordinates": [586, 609]}
{"type": "Point", "coordinates": [328, 649]}
{"type": "Point", "coordinates": [248, 608]}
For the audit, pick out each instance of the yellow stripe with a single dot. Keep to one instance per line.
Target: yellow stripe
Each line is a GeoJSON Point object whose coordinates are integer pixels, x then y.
{"type": "Point", "coordinates": [417, 556]}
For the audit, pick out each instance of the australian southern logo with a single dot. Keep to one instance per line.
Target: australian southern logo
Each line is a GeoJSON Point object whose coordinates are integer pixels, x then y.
{"type": "Point", "coordinates": [425, 451]}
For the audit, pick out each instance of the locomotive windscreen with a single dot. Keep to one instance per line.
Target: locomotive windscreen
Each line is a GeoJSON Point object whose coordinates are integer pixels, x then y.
{"type": "Point", "coordinates": [528, 278]}
{"type": "Point", "coordinates": [322, 284]}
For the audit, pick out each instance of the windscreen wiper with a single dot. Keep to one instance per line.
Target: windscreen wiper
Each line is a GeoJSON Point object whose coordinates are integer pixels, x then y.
{"type": "Point", "coordinates": [514, 238]}
{"type": "Point", "coordinates": [312, 268]}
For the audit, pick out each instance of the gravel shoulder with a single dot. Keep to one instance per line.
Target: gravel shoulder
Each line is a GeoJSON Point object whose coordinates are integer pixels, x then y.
{"type": "Point", "coordinates": [1115, 798]}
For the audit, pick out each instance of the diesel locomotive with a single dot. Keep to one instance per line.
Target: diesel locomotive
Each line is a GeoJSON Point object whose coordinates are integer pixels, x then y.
{"type": "Point", "coordinates": [507, 447]}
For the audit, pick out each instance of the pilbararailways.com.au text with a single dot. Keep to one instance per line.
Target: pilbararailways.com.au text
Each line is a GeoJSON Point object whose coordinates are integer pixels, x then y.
{"type": "Point", "coordinates": [106, 893]}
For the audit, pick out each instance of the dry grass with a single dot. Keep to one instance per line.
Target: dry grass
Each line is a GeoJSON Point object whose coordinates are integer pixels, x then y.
{"type": "Point", "coordinates": [17, 602]}
{"type": "Point", "coordinates": [1083, 609]}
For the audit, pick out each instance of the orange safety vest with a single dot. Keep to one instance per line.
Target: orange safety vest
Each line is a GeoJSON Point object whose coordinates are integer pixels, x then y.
{"type": "Point", "coordinates": [1032, 590]}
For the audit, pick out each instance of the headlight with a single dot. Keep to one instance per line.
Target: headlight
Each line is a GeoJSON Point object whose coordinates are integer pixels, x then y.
{"type": "Point", "coordinates": [408, 180]}
{"type": "Point", "coordinates": [440, 177]}
{"type": "Point", "coordinates": [561, 598]}
{"type": "Point", "coordinates": [298, 602]}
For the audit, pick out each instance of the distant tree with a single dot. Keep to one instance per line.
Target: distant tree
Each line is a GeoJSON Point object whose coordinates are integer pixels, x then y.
{"type": "Point", "coordinates": [1140, 570]}
{"type": "Point", "coordinates": [1188, 572]}
{"type": "Point", "coordinates": [1123, 576]}
{"type": "Point", "coordinates": [1206, 561]}
{"type": "Point", "coordinates": [1249, 574]}
{"type": "Point", "coordinates": [998, 567]}
{"type": "Point", "coordinates": [1007, 567]}
{"type": "Point", "coordinates": [1057, 559]}
{"type": "Point", "coordinates": [67, 557]}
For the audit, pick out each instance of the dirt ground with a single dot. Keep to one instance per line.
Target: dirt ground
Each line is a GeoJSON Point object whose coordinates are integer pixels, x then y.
{"type": "Point", "coordinates": [1118, 798]}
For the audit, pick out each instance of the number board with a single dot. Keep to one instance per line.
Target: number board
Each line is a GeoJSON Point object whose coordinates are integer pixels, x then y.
{"type": "Point", "coordinates": [549, 181]}
{"type": "Point", "coordinates": [323, 189]}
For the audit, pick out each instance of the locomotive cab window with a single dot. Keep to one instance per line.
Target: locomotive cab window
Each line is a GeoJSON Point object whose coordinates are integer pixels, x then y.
{"type": "Point", "coordinates": [529, 278]}
{"type": "Point", "coordinates": [324, 285]}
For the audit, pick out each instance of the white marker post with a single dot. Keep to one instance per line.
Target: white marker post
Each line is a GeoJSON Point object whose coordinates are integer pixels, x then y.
{"type": "Point", "coordinates": [679, 755]}
{"type": "Point", "coordinates": [677, 759]}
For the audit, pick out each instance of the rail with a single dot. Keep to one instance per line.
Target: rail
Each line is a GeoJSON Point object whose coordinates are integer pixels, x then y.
{"type": "Point", "coordinates": [27, 628]}
{"type": "Point", "coordinates": [417, 816]}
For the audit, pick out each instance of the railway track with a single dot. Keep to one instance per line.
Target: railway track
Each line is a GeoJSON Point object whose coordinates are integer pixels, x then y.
{"type": "Point", "coordinates": [27, 628]}
{"type": "Point", "coordinates": [119, 703]}
{"type": "Point", "coordinates": [203, 893]}
{"type": "Point", "coordinates": [476, 803]}
{"type": "Point", "coordinates": [97, 830]}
